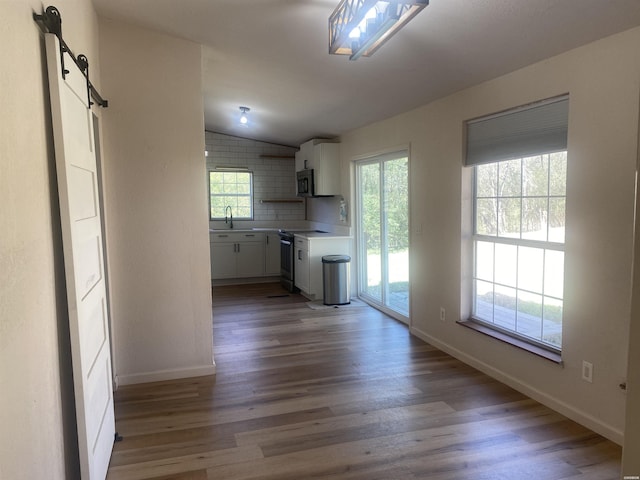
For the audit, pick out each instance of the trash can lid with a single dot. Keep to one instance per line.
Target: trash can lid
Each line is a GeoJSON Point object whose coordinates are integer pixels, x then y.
{"type": "Point", "coordinates": [336, 259]}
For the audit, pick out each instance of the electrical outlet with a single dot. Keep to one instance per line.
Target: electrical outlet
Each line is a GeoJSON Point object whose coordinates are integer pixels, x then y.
{"type": "Point", "coordinates": [442, 314]}
{"type": "Point", "coordinates": [587, 371]}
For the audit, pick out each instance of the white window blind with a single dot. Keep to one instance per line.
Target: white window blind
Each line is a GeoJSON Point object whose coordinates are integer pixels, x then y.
{"type": "Point", "coordinates": [530, 130]}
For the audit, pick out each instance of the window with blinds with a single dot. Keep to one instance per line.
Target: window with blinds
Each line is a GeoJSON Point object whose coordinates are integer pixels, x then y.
{"type": "Point", "coordinates": [519, 159]}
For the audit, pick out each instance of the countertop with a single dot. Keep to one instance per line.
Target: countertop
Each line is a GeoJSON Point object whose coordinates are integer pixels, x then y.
{"type": "Point", "coordinates": [243, 230]}
{"type": "Point", "coordinates": [301, 234]}
{"type": "Point", "coordinates": [309, 235]}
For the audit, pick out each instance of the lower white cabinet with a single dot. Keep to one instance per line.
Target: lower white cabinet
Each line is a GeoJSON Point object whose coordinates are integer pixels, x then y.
{"type": "Point", "coordinates": [246, 254]}
{"type": "Point", "coordinates": [301, 264]}
{"type": "Point", "coordinates": [237, 255]}
{"type": "Point", "coordinates": [308, 252]}
{"type": "Point", "coordinates": [250, 259]}
{"type": "Point", "coordinates": [223, 260]}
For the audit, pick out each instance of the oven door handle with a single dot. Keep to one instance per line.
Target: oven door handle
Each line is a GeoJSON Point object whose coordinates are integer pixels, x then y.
{"type": "Point", "coordinates": [285, 242]}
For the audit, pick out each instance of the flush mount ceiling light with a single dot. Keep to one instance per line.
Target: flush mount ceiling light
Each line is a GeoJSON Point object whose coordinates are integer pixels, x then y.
{"type": "Point", "coordinates": [243, 116]}
{"type": "Point", "coordinates": [360, 27]}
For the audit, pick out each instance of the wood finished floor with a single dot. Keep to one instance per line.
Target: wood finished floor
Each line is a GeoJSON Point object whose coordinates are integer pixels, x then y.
{"type": "Point", "coordinates": [340, 393]}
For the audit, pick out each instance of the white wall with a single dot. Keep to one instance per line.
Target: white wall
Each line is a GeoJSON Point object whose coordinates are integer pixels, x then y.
{"type": "Point", "coordinates": [36, 398]}
{"type": "Point", "coordinates": [156, 204]}
{"type": "Point", "coordinates": [603, 82]}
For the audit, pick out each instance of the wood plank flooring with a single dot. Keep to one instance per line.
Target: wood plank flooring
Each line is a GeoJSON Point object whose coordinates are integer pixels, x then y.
{"type": "Point", "coordinates": [340, 393]}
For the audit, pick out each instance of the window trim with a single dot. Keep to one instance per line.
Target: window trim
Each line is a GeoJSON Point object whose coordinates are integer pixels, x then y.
{"type": "Point", "coordinates": [251, 194]}
{"type": "Point", "coordinates": [506, 337]}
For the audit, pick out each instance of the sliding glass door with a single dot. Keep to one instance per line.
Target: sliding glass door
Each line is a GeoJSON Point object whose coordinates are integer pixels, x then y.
{"type": "Point", "coordinates": [383, 232]}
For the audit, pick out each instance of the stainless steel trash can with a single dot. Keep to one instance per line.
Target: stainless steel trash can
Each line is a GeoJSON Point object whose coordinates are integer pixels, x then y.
{"type": "Point", "coordinates": [336, 279]}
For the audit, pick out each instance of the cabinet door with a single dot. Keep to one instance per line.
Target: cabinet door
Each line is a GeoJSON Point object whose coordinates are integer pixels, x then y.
{"type": "Point", "coordinates": [302, 269]}
{"type": "Point", "coordinates": [326, 161]}
{"type": "Point", "coordinates": [304, 156]}
{"type": "Point", "coordinates": [250, 259]}
{"type": "Point", "coordinates": [223, 260]}
{"type": "Point", "coordinates": [272, 254]}
{"type": "Point", "coordinates": [318, 248]}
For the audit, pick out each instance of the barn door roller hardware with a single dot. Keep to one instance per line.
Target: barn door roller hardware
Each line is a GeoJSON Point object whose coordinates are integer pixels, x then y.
{"type": "Point", "coordinates": [51, 22]}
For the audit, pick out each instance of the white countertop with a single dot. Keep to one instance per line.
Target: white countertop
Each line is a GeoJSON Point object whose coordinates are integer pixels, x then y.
{"type": "Point", "coordinates": [301, 234]}
{"type": "Point", "coordinates": [309, 235]}
{"type": "Point", "coordinates": [243, 230]}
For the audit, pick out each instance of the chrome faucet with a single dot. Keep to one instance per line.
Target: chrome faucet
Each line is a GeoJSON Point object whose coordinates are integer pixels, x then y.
{"type": "Point", "coordinates": [226, 220]}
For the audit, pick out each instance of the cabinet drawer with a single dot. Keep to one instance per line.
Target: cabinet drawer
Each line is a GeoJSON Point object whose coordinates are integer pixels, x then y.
{"type": "Point", "coordinates": [251, 237]}
{"type": "Point", "coordinates": [302, 243]}
{"type": "Point", "coordinates": [236, 237]}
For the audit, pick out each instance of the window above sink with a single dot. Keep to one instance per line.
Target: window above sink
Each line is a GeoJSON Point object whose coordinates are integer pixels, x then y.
{"type": "Point", "coordinates": [230, 194]}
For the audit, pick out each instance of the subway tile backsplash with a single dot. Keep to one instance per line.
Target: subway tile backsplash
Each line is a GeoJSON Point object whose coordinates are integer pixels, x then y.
{"type": "Point", "coordinates": [273, 178]}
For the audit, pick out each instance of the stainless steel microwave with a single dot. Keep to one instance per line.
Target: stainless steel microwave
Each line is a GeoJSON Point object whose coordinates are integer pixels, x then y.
{"type": "Point", "coordinates": [305, 183]}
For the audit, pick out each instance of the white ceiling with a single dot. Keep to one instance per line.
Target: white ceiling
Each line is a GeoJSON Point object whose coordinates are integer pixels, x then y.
{"type": "Point", "coordinates": [272, 55]}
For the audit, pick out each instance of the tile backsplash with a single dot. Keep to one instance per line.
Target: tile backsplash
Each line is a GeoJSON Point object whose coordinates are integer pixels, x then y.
{"type": "Point", "coordinates": [273, 178]}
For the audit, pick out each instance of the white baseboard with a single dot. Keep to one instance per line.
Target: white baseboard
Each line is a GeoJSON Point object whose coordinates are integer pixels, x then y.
{"type": "Point", "coordinates": [162, 375]}
{"type": "Point", "coordinates": [243, 281]}
{"type": "Point", "coordinates": [559, 406]}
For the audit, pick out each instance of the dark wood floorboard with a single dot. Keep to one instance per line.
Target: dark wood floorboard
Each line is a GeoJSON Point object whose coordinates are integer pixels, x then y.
{"type": "Point", "coordinates": [340, 393]}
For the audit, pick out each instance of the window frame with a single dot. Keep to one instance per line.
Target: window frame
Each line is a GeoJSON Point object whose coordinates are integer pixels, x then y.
{"type": "Point", "coordinates": [250, 195]}
{"type": "Point", "coordinates": [487, 326]}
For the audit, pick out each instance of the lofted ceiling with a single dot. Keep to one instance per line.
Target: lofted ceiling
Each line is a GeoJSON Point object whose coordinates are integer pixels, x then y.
{"type": "Point", "coordinates": [272, 56]}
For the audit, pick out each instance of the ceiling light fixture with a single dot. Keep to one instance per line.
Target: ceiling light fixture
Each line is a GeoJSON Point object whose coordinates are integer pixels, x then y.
{"type": "Point", "coordinates": [360, 27]}
{"type": "Point", "coordinates": [243, 116]}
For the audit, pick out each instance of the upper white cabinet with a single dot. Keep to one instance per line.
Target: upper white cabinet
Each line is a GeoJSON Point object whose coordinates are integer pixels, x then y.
{"type": "Point", "coordinates": [323, 157]}
{"type": "Point", "coordinates": [304, 156]}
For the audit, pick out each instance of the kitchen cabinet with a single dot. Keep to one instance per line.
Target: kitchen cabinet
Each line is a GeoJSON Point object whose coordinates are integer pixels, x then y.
{"type": "Point", "coordinates": [301, 268]}
{"type": "Point", "coordinates": [272, 254]}
{"type": "Point", "coordinates": [309, 250]}
{"type": "Point", "coordinates": [237, 255]}
{"type": "Point", "coordinates": [304, 156]}
{"type": "Point", "coordinates": [323, 157]}
{"type": "Point", "coordinates": [223, 259]}
{"type": "Point", "coordinates": [250, 259]}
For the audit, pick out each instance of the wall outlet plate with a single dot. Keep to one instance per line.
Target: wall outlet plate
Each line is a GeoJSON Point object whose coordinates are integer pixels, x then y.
{"type": "Point", "coordinates": [442, 314]}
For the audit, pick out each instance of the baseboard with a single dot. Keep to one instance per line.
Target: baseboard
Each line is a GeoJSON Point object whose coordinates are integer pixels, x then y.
{"type": "Point", "coordinates": [162, 375]}
{"type": "Point", "coordinates": [220, 282]}
{"type": "Point", "coordinates": [583, 418]}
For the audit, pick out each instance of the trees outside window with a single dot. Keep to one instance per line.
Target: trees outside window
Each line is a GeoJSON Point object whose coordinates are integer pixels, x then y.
{"type": "Point", "coordinates": [383, 231]}
{"type": "Point", "coordinates": [231, 189]}
{"type": "Point", "coordinates": [519, 225]}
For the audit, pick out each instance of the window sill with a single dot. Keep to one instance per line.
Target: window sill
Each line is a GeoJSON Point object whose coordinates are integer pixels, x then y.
{"type": "Point", "coordinates": [503, 337]}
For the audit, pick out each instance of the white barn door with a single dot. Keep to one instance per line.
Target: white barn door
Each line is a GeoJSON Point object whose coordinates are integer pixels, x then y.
{"type": "Point", "coordinates": [83, 260]}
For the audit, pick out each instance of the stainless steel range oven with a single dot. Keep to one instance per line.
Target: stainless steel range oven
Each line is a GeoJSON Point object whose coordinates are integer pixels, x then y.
{"type": "Point", "coordinates": [287, 277]}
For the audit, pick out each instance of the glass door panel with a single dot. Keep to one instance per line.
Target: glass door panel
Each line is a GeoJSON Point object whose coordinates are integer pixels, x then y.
{"type": "Point", "coordinates": [396, 232]}
{"type": "Point", "coordinates": [371, 230]}
{"type": "Point", "coordinates": [383, 231]}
